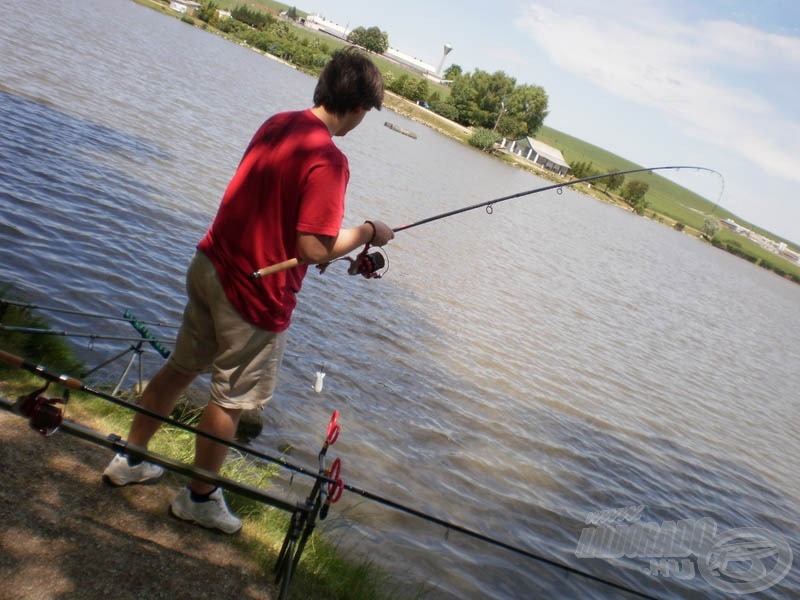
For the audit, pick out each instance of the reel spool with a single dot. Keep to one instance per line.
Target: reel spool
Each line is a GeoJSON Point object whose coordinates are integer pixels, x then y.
{"type": "Point", "coordinates": [43, 414]}
{"type": "Point", "coordinates": [369, 265]}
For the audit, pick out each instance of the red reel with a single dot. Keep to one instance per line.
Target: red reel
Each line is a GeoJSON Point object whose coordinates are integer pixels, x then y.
{"type": "Point", "coordinates": [43, 414]}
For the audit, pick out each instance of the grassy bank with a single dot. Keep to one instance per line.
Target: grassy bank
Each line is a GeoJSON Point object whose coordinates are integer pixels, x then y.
{"type": "Point", "coordinates": [326, 571]}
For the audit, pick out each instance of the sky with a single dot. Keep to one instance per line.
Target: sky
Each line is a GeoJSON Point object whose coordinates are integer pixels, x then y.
{"type": "Point", "coordinates": [711, 83]}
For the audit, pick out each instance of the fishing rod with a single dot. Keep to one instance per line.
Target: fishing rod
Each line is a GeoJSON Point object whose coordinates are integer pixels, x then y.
{"type": "Point", "coordinates": [556, 186]}
{"type": "Point", "coordinates": [369, 265]}
{"type": "Point", "coordinates": [50, 420]}
{"type": "Point", "coordinates": [61, 333]}
{"type": "Point", "coordinates": [489, 540]}
{"type": "Point", "coordinates": [5, 303]}
{"type": "Point", "coordinates": [74, 384]}
{"type": "Point", "coordinates": [139, 325]}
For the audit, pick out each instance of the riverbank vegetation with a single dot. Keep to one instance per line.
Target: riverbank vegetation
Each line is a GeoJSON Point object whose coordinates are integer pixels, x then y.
{"type": "Point", "coordinates": [325, 571]}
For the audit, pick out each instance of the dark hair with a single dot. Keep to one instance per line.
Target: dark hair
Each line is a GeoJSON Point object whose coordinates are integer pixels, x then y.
{"type": "Point", "coordinates": [349, 81]}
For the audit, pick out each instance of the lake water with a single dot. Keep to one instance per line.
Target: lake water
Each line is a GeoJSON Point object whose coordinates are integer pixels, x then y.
{"type": "Point", "coordinates": [511, 373]}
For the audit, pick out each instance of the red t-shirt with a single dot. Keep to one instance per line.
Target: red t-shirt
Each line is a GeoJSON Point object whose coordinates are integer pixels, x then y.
{"type": "Point", "coordinates": [292, 178]}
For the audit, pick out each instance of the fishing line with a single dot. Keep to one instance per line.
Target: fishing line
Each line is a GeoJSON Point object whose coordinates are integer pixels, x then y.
{"type": "Point", "coordinates": [70, 383]}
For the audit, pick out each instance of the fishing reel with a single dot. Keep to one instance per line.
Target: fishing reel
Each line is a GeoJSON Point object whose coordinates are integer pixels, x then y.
{"type": "Point", "coordinates": [43, 414]}
{"type": "Point", "coordinates": [369, 265]}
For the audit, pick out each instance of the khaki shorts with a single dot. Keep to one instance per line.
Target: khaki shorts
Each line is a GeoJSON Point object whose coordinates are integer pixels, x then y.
{"type": "Point", "coordinates": [243, 360]}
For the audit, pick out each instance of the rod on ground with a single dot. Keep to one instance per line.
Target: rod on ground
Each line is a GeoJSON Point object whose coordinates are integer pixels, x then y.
{"type": "Point", "coordinates": [75, 384]}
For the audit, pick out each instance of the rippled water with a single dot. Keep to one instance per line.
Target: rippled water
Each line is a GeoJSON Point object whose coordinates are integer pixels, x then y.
{"type": "Point", "coordinates": [511, 373]}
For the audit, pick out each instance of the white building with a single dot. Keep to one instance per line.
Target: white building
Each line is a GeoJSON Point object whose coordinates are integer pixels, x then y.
{"type": "Point", "coordinates": [184, 6]}
{"type": "Point", "coordinates": [322, 24]}
{"type": "Point", "coordinates": [538, 153]}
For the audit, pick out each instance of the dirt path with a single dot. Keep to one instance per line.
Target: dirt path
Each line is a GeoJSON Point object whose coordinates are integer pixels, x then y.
{"type": "Point", "coordinates": [65, 535]}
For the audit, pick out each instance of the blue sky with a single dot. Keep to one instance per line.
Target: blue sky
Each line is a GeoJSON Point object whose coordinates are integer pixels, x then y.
{"type": "Point", "coordinates": [710, 83]}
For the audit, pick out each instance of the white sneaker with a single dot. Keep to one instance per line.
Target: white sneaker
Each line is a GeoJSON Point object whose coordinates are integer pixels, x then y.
{"type": "Point", "coordinates": [213, 514]}
{"type": "Point", "coordinates": [119, 472]}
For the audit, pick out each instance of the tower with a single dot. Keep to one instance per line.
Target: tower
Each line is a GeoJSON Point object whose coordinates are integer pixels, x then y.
{"type": "Point", "coordinates": [447, 49]}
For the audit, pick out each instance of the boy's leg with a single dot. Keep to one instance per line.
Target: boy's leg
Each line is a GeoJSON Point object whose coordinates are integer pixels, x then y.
{"type": "Point", "coordinates": [159, 397]}
{"type": "Point", "coordinates": [209, 455]}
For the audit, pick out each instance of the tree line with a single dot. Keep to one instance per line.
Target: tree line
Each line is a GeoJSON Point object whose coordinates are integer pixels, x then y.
{"type": "Point", "coordinates": [493, 101]}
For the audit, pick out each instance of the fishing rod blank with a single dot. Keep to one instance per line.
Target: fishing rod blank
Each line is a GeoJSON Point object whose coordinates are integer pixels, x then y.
{"type": "Point", "coordinates": [90, 336]}
{"type": "Point", "coordinates": [488, 204]}
{"type": "Point", "coordinates": [556, 186]}
{"type": "Point", "coordinates": [117, 444]}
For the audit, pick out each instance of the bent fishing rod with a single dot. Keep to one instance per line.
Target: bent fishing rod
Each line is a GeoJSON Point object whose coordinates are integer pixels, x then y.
{"type": "Point", "coordinates": [368, 265]}
{"type": "Point", "coordinates": [51, 417]}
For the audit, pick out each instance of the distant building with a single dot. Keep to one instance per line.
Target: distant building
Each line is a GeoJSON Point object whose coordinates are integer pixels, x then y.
{"type": "Point", "coordinates": [410, 61]}
{"type": "Point", "coordinates": [184, 6]}
{"type": "Point", "coordinates": [322, 24]}
{"type": "Point", "coordinates": [731, 224]}
{"type": "Point", "coordinates": [779, 248]}
{"type": "Point", "coordinates": [538, 153]}
{"type": "Point", "coordinates": [788, 253]}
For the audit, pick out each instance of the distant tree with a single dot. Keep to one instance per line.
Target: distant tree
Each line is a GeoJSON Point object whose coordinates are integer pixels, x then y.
{"type": "Point", "coordinates": [207, 11]}
{"type": "Point", "coordinates": [292, 13]}
{"type": "Point", "coordinates": [479, 97]}
{"type": "Point", "coordinates": [254, 18]}
{"type": "Point", "coordinates": [373, 39]}
{"type": "Point", "coordinates": [710, 227]}
{"type": "Point", "coordinates": [407, 86]}
{"type": "Point", "coordinates": [495, 101]}
{"type": "Point", "coordinates": [634, 194]}
{"type": "Point", "coordinates": [525, 111]}
{"type": "Point", "coordinates": [453, 72]}
{"type": "Point", "coordinates": [581, 169]}
{"type": "Point", "coordinates": [420, 90]}
{"type": "Point", "coordinates": [614, 181]}
{"type": "Point", "coordinates": [445, 109]}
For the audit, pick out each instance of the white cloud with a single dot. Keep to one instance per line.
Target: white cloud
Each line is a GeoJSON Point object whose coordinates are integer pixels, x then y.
{"type": "Point", "coordinates": [751, 46]}
{"type": "Point", "coordinates": [709, 78]}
